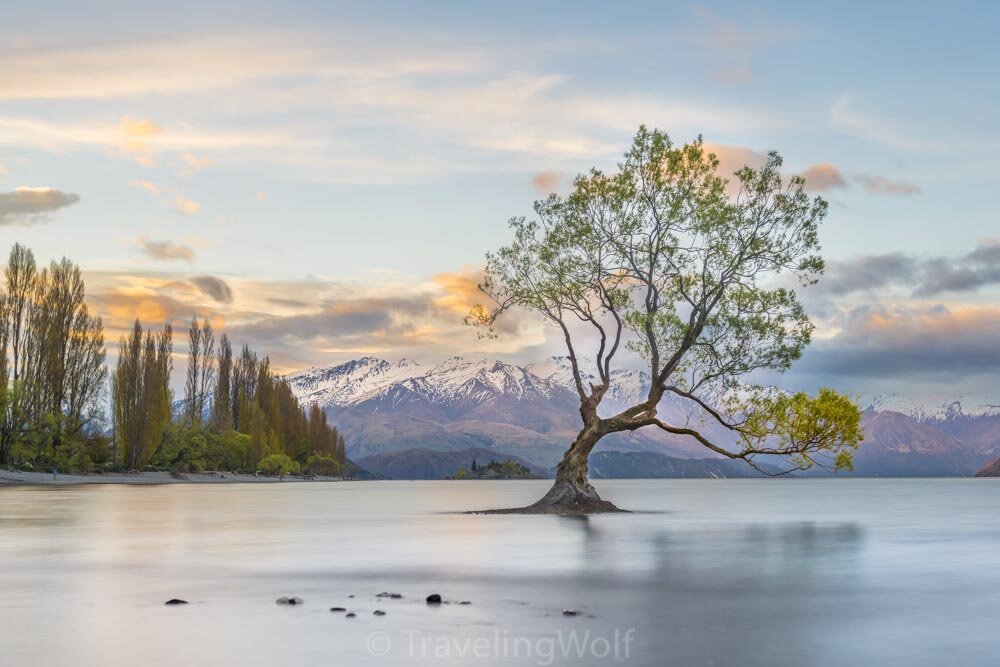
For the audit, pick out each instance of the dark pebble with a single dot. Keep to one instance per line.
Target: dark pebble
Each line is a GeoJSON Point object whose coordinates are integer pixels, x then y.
{"type": "Point", "coordinates": [379, 612]}
{"type": "Point", "coordinates": [569, 612]}
{"type": "Point", "coordinates": [464, 602]}
{"type": "Point", "coordinates": [433, 598]}
{"type": "Point", "coordinates": [350, 614]}
{"type": "Point", "coordinates": [290, 601]}
{"type": "Point", "coordinates": [173, 601]}
{"type": "Point", "coordinates": [338, 609]}
{"type": "Point", "coordinates": [394, 596]}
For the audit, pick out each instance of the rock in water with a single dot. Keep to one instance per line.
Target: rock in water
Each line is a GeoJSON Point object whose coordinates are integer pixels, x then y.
{"type": "Point", "coordinates": [379, 612]}
{"type": "Point", "coordinates": [350, 614]}
{"type": "Point", "coordinates": [569, 612]}
{"type": "Point", "coordinates": [174, 601]}
{"type": "Point", "coordinates": [289, 601]}
{"type": "Point", "coordinates": [338, 609]}
{"type": "Point", "coordinates": [433, 598]}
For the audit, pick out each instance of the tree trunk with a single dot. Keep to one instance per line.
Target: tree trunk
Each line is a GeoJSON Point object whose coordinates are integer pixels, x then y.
{"type": "Point", "coordinates": [572, 491]}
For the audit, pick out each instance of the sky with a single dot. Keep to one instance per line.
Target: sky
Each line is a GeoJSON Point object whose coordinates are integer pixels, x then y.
{"type": "Point", "coordinates": [323, 179]}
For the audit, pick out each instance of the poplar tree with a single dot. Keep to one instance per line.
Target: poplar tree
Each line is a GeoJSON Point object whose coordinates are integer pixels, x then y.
{"type": "Point", "coordinates": [141, 395]}
{"type": "Point", "coordinates": [200, 370]}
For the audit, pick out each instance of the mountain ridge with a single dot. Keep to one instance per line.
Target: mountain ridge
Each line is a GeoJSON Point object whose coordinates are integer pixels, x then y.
{"type": "Point", "coordinates": [531, 412]}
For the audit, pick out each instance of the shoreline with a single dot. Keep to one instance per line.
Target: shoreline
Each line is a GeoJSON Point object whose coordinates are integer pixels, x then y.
{"type": "Point", "coordinates": [23, 478]}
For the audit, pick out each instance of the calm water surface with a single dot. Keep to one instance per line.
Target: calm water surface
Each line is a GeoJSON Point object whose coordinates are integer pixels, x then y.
{"type": "Point", "coordinates": [712, 572]}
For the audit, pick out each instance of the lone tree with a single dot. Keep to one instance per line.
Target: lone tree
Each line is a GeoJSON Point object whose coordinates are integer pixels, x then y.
{"type": "Point", "coordinates": [669, 260]}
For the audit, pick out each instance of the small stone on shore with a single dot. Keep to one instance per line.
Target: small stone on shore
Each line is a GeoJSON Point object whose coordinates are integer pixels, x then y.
{"type": "Point", "coordinates": [433, 598]}
{"type": "Point", "coordinates": [394, 596]}
{"type": "Point", "coordinates": [379, 612]}
{"type": "Point", "coordinates": [464, 602]}
{"type": "Point", "coordinates": [350, 614]}
{"type": "Point", "coordinates": [569, 612]}
{"type": "Point", "coordinates": [175, 601]}
{"type": "Point", "coordinates": [338, 609]}
{"type": "Point", "coordinates": [289, 601]}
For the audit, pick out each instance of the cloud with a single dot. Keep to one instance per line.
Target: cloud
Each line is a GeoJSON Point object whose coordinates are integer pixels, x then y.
{"type": "Point", "coordinates": [901, 342]}
{"type": "Point", "coordinates": [185, 206]}
{"type": "Point", "coordinates": [734, 158]}
{"type": "Point", "coordinates": [979, 268]}
{"type": "Point", "coordinates": [30, 206]}
{"type": "Point", "coordinates": [166, 66]}
{"type": "Point", "coordinates": [870, 272]}
{"type": "Point", "coordinates": [134, 136]}
{"type": "Point", "coordinates": [545, 182]}
{"type": "Point", "coordinates": [923, 276]}
{"type": "Point", "coordinates": [192, 164]}
{"type": "Point", "coordinates": [213, 287]}
{"type": "Point", "coordinates": [170, 197]}
{"type": "Point", "coordinates": [166, 251]}
{"type": "Point", "coordinates": [880, 185]}
{"type": "Point", "coordinates": [728, 44]}
{"type": "Point", "coordinates": [823, 177]}
{"type": "Point", "coordinates": [378, 317]}
{"type": "Point", "coordinates": [845, 118]}
{"type": "Point", "coordinates": [448, 107]}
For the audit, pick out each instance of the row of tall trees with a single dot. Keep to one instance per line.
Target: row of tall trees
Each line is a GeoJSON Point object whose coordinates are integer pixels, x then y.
{"type": "Point", "coordinates": [236, 414]}
{"type": "Point", "coordinates": [52, 371]}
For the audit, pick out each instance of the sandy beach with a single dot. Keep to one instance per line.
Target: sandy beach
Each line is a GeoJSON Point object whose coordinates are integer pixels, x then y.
{"type": "Point", "coordinates": [8, 478]}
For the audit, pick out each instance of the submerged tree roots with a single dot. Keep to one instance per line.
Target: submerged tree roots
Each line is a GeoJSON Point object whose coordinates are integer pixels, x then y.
{"type": "Point", "coordinates": [566, 498]}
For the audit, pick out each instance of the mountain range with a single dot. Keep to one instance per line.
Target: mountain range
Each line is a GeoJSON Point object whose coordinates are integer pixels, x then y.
{"type": "Point", "coordinates": [530, 413]}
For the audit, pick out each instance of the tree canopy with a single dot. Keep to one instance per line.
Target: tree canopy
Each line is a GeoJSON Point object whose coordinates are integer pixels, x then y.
{"type": "Point", "coordinates": [669, 261]}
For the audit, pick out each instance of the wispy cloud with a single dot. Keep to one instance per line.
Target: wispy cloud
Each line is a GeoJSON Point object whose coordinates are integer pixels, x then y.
{"type": "Point", "coordinates": [846, 118]}
{"type": "Point", "coordinates": [170, 197]}
{"type": "Point", "coordinates": [880, 185]}
{"type": "Point", "coordinates": [480, 107]}
{"type": "Point", "coordinates": [191, 164]}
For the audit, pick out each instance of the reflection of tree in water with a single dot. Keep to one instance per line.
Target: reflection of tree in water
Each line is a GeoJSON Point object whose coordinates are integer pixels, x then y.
{"type": "Point", "coordinates": [722, 594]}
{"type": "Point", "coordinates": [758, 550]}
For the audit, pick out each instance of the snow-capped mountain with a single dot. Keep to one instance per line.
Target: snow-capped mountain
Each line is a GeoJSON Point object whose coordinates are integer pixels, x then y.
{"type": "Point", "coordinates": [350, 382]}
{"type": "Point", "coordinates": [926, 411]}
{"type": "Point", "coordinates": [531, 411]}
{"type": "Point", "coordinates": [453, 381]}
{"type": "Point", "coordinates": [627, 386]}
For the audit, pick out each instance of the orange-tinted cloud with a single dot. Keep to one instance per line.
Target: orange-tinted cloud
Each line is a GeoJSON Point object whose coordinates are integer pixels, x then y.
{"type": "Point", "coordinates": [170, 197]}
{"type": "Point", "coordinates": [545, 182]}
{"type": "Point", "coordinates": [823, 177]}
{"type": "Point", "coordinates": [460, 290]}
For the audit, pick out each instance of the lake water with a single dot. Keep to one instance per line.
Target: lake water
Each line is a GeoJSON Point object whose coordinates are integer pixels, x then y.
{"type": "Point", "coordinates": [706, 572]}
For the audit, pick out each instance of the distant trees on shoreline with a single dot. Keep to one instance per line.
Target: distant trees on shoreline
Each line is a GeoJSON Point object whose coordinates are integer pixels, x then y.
{"type": "Point", "coordinates": [235, 414]}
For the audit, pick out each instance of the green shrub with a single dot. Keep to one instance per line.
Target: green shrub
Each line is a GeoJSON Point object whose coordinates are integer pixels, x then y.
{"type": "Point", "coordinates": [278, 464]}
{"type": "Point", "coordinates": [324, 465]}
